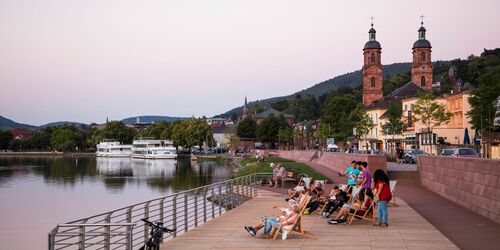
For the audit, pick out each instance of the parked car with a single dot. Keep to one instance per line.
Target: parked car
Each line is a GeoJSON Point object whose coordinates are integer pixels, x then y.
{"type": "Point", "coordinates": [447, 152]}
{"type": "Point", "coordinates": [465, 152]}
{"type": "Point", "coordinates": [411, 156]}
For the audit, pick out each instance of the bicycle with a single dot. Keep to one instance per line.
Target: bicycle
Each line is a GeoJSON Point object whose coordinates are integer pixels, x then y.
{"type": "Point", "coordinates": [156, 234]}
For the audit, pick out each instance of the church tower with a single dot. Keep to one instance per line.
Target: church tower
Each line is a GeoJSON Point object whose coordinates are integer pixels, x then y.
{"type": "Point", "coordinates": [245, 108]}
{"type": "Point", "coordinates": [372, 69]}
{"type": "Point", "coordinates": [421, 69]}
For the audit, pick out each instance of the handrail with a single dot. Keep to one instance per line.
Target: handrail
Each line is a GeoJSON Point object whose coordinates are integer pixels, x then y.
{"type": "Point", "coordinates": [183, 211]}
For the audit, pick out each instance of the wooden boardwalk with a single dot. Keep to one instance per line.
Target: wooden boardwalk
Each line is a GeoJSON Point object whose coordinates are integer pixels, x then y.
{"type": "Point", "coordinates": [407, 230]}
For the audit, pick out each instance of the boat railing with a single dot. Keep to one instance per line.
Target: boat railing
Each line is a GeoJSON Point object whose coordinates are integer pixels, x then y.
{"type": "Point", "coordinates": [123, 229]}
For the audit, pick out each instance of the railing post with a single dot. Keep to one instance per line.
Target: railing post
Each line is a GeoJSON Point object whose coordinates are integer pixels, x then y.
{"type": "Point", "coordinates": [129, 236]}
{"type": "Point", "coordinates": [205, 205]}
{"type": "Point", "coordinates": [146, 215]}
{"type": "Point", "coordinates": [220, 197]}
{"type": "Point", "coordinates": [161, 209]}
{"type": "Point", "coordinates": [195, 209]}
{"type": "Point", "coordinates": [185, 213]}
{"type": "Point", "coordinates": [213, 205]}
{"type": "Point", "coordinates": [129, 228]}
{"type": "Point", "coordinates": [107, 236]}
{"type": "Point", "coordinates": [174, 215]}
{"type": "Point", "coordinates": [82, 238]}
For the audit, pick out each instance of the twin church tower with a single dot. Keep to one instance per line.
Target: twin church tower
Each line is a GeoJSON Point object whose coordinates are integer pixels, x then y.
{"type": "Point", "coordinates": [421, 70]}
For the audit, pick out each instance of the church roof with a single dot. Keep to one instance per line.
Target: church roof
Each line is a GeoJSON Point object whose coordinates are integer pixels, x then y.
{"type": "Point", "coordinates": [422, 43]}
{"type": "Point", "coordinates": [372, 45]}
{"type": "Point", "coordinates": [408, 90]}
{"type": "Point", "coordinates": [268, 111]}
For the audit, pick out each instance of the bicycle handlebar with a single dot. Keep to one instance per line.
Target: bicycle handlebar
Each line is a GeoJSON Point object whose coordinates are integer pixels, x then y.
{"type": "Point", "coordinates": [158, 225]}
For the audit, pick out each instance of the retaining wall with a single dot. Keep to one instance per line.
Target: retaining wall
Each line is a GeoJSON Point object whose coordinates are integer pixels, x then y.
{"type": "Point", "coordinates": [471, 183]}
{"type": "Point", "coordinates": [334, 161]}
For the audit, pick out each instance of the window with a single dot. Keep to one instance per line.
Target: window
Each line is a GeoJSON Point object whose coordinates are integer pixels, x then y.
{"type": "Point", "coordinates": [422, 57]}
{"type": "Point", "coordinates": [376, 118]}
{"type": "Point", "coordinates": [422, 81]}
{"type": "Point", "coordinates": [406, 107]}
{"type": "Point", "coordinates": [411, 106]}
{"type": "Point", "coordinates": [372, 58]}
{"type": "Point", "coordinates": [372, 82]}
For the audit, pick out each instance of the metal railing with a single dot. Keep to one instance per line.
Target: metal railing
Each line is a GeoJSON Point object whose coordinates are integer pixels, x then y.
{"type": "Point", "coordinates": [123, 229]}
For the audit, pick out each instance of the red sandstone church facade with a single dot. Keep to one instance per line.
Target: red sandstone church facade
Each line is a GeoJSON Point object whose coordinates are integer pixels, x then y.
{"type": "Point", "coordinates": [421, 70]}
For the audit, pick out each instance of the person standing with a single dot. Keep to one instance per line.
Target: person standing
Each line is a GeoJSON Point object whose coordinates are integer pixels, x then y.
{"type": "Point", "coordinates": [365, 181]}
{"type": "Point", "coordinates": [352, 173]}
{"type": "Point", "coordinates": [382, 196]}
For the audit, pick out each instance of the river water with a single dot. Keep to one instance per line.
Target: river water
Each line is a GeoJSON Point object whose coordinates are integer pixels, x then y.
{"type": "Point", "coordinates": [36, 193]}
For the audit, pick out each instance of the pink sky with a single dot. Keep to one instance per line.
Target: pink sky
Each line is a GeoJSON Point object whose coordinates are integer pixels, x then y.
{"type": "Point", "coordinates": [85, 60]}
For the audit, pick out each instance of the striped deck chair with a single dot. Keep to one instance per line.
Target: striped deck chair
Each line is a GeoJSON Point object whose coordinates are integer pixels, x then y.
{"type": "Point", "coordinates": [368, 213]}
{"type": "Point", "coordinates": [392, 185]}
{"type": "Point", "coordinates": [298, 227]}
{"type": "Point", "coordinates": [323, 185]}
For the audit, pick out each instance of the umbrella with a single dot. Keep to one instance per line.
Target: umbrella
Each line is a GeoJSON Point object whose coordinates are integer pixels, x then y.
{"type": "Point", "coordinates": [476, 137]}
{"type": "Point", "coordinates": [466, 137]}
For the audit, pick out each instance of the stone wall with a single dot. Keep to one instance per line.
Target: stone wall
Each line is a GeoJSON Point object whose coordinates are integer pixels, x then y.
{"type": "Point", "coordinates": [334, 161]}
{"type": "Point", "coordinates": [471, 183]}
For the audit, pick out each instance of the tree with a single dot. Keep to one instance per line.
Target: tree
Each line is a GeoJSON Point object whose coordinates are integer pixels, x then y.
{"type": "Point", "coordinates": [192, 132]}
{"type": "Point", "coordinates": [483, 100]}
{"type": "Point", "coordinates": [285, 135]}
{"type": "Point", "coordinates": [268, 130]}
{"type": "Point", "coordinates": [430, 113]}
{"type": "Point", "coordinates": [362, 123]}
{"type": "Point", "coordinates": [246, 128]}
{"type": "Point", "coordinates": [256, 109]}
{"type": "Point", "coordinates": [66, 138]}
{"type": "Point", "coordinates": [179, 134]}
{"type": "Point", "coordinates": [16, 144]}
{"type": "Point", "coordinates": [234, 117]}
{"type": "Point", "coordinates": [5, 138]}
{"type": "Point", "coordinates": [118, 131]}
{"type": "Point", "coordinates": [394, 125]}
{"type": "Point", "coordinates": [336, 113]}
{"type": "Point", "coordinates": [161, 130]}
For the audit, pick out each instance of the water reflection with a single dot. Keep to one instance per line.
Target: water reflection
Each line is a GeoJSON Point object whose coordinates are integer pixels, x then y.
{"type": "Point", "coordinates": [44, 191]}
{"type": "Point", "coordinates": [115, 173]}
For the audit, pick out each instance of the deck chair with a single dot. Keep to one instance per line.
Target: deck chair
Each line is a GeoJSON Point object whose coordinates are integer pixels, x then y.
{"type": "Point", "coordinates": [307, 182]}
{"type": "Point", "coordinates": [297, 228]}
{"type": "Point", "coordinates": [344, 187]}
{"type": "Point", "coordinates": [392, 185]}
{"type": "Point", "coordinates": [323, 185]}
{"type": "Point", "coordinates": [368, 214]}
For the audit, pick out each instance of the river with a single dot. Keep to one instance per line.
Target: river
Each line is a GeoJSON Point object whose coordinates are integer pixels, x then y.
{"type": "Point", "coordinates": [36, 193]}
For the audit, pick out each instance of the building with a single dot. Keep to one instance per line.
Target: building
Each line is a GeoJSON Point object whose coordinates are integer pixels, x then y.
{"type": "Point", "coordinates": [246, 112]}
{"type": "Point", "coordinates": [215, 121]}
{"type": "Point", "coordinates": [259, 117]}
{"type": "Point", "coordinates": [20, 133]}
{"type": "Point", "coordinates": [372, 69]}
{"type": "Point", "coordinates": [417, 135]}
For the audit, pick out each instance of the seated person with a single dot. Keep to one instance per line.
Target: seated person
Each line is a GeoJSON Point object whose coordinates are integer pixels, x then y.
{"type": "Point", "coordinates": [296, 191]}
{"type": "Point", "coordinates": [315, 193]}
{"type": "Point", "coordinates": [336, 199]}
{"type": "Point", "coordinates": [341, 217]}
{"type": "Point", "coordinates": [287, 219]}
{"type": "Point", "coordinates": [280, 176]}
{"type": "Point", "coordinates": [276, 170]}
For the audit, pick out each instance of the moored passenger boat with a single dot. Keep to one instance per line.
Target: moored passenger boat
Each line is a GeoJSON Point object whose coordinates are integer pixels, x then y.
{"type": "Point", "coordinates": [149, 148]}
{"type": "Point", "coordinates": [113, 148]}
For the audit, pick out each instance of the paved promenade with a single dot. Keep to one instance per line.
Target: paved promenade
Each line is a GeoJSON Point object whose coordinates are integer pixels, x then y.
{"type": "Point", "coordinates": [407, 230]}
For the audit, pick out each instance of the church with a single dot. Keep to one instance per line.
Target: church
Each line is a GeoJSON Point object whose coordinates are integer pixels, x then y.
{"type": "Point", "coordinates": [376, 103]}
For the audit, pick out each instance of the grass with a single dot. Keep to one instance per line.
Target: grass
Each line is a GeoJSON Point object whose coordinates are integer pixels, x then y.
{"type": "Point", "coordinates": [250, 167]}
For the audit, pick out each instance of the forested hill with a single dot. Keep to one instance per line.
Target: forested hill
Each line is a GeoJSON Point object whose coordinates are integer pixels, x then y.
{"type": "Point", "coordinates": [352, 79]}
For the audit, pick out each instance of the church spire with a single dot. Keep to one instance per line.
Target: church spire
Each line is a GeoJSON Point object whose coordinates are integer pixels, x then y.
{"type": "Point", "coordinates": [245, 108]}
{"type": "Point", "coordinates": [372, 69]}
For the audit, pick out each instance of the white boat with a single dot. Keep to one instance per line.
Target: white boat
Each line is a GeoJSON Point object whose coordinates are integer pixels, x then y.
{"type": "Point", "coordinates": [113, 148]}
{"type": "Point", "coordinates": [148, 148]}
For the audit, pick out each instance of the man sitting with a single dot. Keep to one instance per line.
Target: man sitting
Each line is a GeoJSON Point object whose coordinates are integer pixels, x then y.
{"type": "Point", "coordinates": [296, 191]}
{"type": "Point", "coordinates": [315, 193]}
{"type": "Point", "coordinates": [336, 199]}
{"type": "Point", "coordinates": [287, 219]}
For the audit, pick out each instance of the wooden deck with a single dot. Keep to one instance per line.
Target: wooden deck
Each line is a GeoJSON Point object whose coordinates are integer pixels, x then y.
{"type": "Point", "coordinates": [407, 230]}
